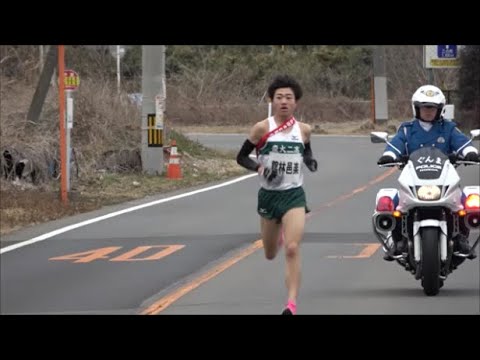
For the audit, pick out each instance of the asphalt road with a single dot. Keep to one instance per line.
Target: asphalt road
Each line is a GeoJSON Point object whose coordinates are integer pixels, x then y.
{"type": "Point", "coordinates": [198, 254]}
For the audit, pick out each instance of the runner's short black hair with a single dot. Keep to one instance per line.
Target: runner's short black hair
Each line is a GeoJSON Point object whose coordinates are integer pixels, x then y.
{"type": "Point", "coordinates": [285, 81]}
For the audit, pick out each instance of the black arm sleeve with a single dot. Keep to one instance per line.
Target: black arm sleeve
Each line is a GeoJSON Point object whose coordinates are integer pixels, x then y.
{"type": "Point", "coordinates": [307, 153]}
{"type": "Point", "coordinates": [243, 158]}
{"type": "Point", "coordinates": [308, 158]}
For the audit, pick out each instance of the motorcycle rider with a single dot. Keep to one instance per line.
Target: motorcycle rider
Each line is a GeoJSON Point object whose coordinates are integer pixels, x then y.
{"type": "Point", "coordinates": [429, 128]}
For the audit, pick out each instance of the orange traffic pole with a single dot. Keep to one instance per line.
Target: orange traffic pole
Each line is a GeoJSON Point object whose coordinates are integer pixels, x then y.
{"type": "Point", "coordinates": [173, 170]}
{"type": "Point", "coordinates": [63, 144]}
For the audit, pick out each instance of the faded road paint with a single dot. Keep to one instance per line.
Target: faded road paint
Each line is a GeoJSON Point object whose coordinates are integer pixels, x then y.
{"type": "Point", "coordinates": [129, 256]}
{"type": "Point", "coordinates": [367, 251]}
{"type": "Point", "coordinates": [101, 253]}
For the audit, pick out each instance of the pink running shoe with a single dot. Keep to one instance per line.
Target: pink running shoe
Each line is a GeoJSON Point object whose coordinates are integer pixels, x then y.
{"type": "Point", "coordinates": [290, 309]}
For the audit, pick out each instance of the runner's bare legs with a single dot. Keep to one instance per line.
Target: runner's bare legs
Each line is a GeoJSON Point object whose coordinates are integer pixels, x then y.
{"type": "Point", "coordinates": [293, 224]}
{"type": "Point", "coordinates": [270, 235]}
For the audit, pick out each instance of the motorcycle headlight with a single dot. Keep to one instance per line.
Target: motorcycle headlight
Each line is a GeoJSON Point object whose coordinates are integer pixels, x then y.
{"type": "Point", "coordinates": [429, 192]}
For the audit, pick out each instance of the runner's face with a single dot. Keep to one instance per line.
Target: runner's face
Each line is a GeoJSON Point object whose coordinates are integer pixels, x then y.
{"type": "Point", "coordinates": [284, 102]}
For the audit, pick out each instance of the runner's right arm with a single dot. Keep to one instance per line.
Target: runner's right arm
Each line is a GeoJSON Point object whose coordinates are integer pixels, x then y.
{"type": "Point", "coordinates": [243, 157]}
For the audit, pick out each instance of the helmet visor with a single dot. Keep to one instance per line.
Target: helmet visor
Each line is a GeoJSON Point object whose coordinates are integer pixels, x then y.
{"type": "Point", "coordinates": [427, 105]}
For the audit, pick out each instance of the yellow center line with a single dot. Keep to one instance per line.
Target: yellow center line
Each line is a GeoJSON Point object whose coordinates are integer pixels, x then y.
{"type": "Point", "coordinates": [167, 300]}
{"type": "Point", "coordinates": [368, 250]}
{"type": "Point", "coordinates": [357, 190]}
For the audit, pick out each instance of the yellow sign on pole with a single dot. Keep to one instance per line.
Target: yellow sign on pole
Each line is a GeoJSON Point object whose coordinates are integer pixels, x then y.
{"type": "Point", "coordinates": [72, 80]}
{"type": "Point", "coordinates": [155, 136]}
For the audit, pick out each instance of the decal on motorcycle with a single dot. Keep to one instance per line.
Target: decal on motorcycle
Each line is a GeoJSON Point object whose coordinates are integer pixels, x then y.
{"type": "Point", "coordinates": [421, 168]}
{"type": "Point", "coordinates": [428, 162]}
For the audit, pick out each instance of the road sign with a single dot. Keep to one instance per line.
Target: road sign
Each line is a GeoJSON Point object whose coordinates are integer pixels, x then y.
{"type": "Point", "coordinates": [447, 51]}
{"type": "Point", "coordinates": [441, 56]}
{"type": "Point", "coordinates": [72, 80]}
{"type": "Point", "coordinates": [117, 50]}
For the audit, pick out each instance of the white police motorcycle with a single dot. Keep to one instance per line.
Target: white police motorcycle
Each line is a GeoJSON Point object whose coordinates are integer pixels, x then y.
{"type": "Point", "coordinates": [428, 210]}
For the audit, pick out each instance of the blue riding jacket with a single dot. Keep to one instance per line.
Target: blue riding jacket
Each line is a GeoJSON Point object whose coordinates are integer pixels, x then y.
{"type": "Point", "coordinates": [443, 135]}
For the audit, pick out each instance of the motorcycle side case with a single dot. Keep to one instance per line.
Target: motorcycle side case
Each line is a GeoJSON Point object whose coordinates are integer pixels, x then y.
{"type": "Point", "coordinates": [467, 190]}
{"type": "Point", "coordinates": [390, 192]}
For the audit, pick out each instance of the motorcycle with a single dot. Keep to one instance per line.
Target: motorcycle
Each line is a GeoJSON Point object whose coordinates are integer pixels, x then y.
{"type": "Point", "coordinates": [427, 212]}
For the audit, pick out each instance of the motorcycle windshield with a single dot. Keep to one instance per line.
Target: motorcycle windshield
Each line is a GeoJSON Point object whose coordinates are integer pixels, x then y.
{"type": "Point", "coordinates": [428, 162]}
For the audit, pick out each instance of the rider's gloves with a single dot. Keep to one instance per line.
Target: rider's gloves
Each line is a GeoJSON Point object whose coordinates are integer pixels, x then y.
{"type": "Point", "coordinates": [471, 156]}
{"type": "Point", "coordinates": [385, 159]}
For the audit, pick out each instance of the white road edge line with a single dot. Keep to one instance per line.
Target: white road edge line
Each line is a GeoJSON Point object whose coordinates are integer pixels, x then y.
{"type": "Point", "coordinates": [116, 213]}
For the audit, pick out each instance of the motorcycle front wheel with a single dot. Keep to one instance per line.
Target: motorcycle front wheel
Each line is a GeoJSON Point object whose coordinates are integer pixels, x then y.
{"type": "Point", "coordinates": [430, 260]}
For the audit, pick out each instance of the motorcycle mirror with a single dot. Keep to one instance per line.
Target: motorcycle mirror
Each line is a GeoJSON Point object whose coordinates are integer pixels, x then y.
{"type": "Point", "coordinates": [475, 133]}
{"type": "Point", "coordinates": [378, 137]}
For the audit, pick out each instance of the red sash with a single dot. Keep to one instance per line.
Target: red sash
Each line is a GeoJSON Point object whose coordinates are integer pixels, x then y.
{"type": "Point", "coordinates": [285, 125]}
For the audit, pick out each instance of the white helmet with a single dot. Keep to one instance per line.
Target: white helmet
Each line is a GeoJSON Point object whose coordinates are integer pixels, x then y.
{"type": "Point", "coordinates": [428, 95]}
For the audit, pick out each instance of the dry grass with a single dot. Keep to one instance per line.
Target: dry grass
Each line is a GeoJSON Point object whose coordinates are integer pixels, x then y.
{"type": "Point", "coordinates": [22, 206]}
{"type": "Point", "coordinates": [106, 134]}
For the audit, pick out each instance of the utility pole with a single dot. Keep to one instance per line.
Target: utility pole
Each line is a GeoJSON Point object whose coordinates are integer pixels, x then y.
{"type": "Point", "coordinates": [43, 85]}
{"type": "Point", "coordinates": [153, 107]}
{"type": "Point", "coordinates": [40, 58]}
{"type": "Point", "coordinates": [61, 99]}
{"type": "Point", "coordinates": [118, 52]}
{"type": "Point", "coordinates": [430, 76]}
{"type": "Point", "coordinates": [380, 85]}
